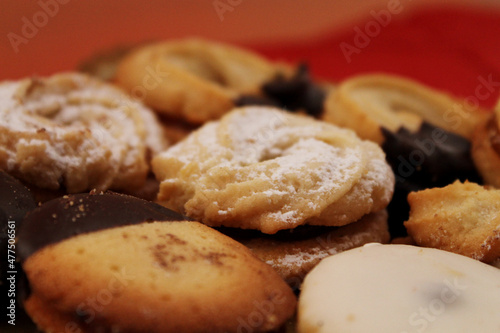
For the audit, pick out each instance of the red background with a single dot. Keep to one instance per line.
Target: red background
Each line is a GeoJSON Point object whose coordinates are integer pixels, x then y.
{"type": "Point", "coordinates": [450, 45]}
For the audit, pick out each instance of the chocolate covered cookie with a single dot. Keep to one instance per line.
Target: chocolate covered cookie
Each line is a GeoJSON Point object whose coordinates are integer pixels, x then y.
{"type": "Point", "coordinates": [107, 262]}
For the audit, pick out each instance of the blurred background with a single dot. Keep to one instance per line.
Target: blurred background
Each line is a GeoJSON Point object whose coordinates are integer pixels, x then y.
{"type": "Point", "coordinates": [449, 44]}
{"type": "Point", "coordinates": [452, 45]}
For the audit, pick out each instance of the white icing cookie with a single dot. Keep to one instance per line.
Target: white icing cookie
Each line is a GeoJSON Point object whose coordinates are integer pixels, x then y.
{"type": "Point", "coordinates": [400, 288]}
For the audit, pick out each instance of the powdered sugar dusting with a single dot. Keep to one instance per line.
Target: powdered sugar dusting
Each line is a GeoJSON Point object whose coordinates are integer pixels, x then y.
{"type": "Point", "coordinates": [73, 124]}
{"type": "Point", "coordinates": [282, 169]}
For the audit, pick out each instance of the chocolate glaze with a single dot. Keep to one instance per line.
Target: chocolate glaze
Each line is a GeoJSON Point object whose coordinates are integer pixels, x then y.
{"type": "Point", "coordinates": [15, 201]}
{"type": "Point", "coordinates": [293, 94]}
{"type": "Point", "coordinates": [77, 214]}
{"type": "Point", "coordinates": [430, 157]}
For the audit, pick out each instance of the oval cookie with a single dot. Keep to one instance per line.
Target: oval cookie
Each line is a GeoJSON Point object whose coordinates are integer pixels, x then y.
{"type": "Point", "coordinates": [149, 276]}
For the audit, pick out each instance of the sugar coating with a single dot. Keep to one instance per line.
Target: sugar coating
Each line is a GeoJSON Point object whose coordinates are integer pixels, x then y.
{"type": "Point", "coordinates": [262, 168]}
{"type": "Point", "coordinates": [462, 217]}
{"type": "Point", "coordinates": [73, 131]}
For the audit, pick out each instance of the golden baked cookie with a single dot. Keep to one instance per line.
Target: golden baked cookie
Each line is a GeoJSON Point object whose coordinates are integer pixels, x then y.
{"type": "Point", "coordinates": [462, 217]}
{"type": "Point", "coordinates": [399, 288]}
{"type": "Point", "coordinates": [368, 103]}
{"type": "Point", "coordinates": [265, 169]}
{"type": "Point", "coordinates": [125, 275]}
{"type": "Point", "coordinates": [194, 80]}
{"type": "Point", "coordinates": [74, 132]}
{"type": "Point", "coordinates": [486, 149]}
{"type": "Point", "coordinates": [293, 253]}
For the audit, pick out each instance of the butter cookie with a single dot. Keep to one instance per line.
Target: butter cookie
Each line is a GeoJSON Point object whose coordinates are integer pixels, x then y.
{"type": "Point", "coordinates": [462, 217]}
{"type": "Point", "coordinates": [74, 132]}
{"type": "Point", "coordinates": [262, 168]}
{"type": "Point", "coordinates": [108, 262]}
{"type": "Point", "coordinates": [192, 79]}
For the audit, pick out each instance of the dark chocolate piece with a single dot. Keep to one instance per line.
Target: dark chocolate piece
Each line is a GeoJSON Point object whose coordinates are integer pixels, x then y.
{"type": "Point", "coordinates": [77, 214]}
{"type": "Point", "coordinates": [430, 157]}
{"type": "Point", "coordinates": [298, 93]}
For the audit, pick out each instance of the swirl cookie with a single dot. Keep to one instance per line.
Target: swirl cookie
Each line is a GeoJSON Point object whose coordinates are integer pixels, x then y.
{"type": "Point", "coordinates": [368, 103]}
{"type": "Point", "coordinates": [462, 217]}
{"type": "Point", "coordinates": [192, 79]}
{"type": "Point", "coordinates": [73, 132]}
{"type": "Point", "coordinates": [293, 253]}
{"type": "Point", "coordinates": [265, 169]}
{"type": "Point", "coordinates": [486, 149]}
{"type": "Point", "coordinates": [150, 271]}
{"type": "Point", "coordinates": [399, 288]}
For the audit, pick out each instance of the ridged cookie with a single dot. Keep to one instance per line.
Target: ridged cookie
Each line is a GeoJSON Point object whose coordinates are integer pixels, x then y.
{"type": "Point", "coordinates": [73, 132]}
{"type": "Point", "coordinates": [265, 169]}
{"type": "Point", "coordinates": [368, 103]}
{"type": "Point", "coordinates": [192, 79]}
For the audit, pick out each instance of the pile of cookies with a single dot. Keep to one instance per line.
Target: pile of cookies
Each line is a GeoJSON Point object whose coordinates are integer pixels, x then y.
{"type": "Point", "coordinates": [192, 186]}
